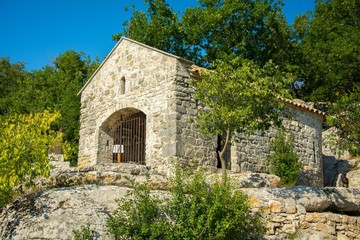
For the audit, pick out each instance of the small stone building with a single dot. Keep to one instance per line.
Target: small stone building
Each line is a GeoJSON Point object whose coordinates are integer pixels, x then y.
{"type": "Point", "coordinates": [137, 108]}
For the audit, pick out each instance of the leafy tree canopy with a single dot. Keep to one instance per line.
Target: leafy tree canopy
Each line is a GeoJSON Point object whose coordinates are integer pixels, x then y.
{"type": "Point", "coordinates": [256, 30]}
{"type": "Point", "coordinates": [12, 78]}
{"type": "Point", "coordinates": [330, 49]}
{"type": "Point", "coordinates": [52, 87]}
{"type": "Point", "coordinates": [345, 116]}
{"type": "Point", "coordinates": [246, 28]}
{"type": "Point", "coordinates": [157, 27]}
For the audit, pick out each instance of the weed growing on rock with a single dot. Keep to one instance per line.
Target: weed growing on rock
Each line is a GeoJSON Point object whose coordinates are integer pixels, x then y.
{"type": "Point", "coordinates": [85, 233]}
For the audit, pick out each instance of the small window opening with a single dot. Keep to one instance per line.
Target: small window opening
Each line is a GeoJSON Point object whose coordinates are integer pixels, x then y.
{"type": "Point", "coordinates": [314, 151]}
{"type": "Point", "coordinates": [122, 85]}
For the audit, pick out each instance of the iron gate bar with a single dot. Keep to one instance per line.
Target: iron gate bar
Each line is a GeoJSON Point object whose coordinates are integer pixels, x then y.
{"type": "Point", "coordinates": [130, 136]}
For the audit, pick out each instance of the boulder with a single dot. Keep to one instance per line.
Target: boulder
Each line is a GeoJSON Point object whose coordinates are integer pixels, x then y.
{"type": "Point", "coordinates": [311, 198]}
{"type": "Point", "coordinates": [255, 180]}
{"type": "Point", "coordinates": [56, 213]}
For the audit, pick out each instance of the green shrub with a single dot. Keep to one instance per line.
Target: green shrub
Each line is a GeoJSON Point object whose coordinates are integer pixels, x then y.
{"type": "Point", "coordinates": [192, 210]}
{"type": "Point", "coordinates": [85, 233]}
{"type": "Point", "coordinates": [283, 161]}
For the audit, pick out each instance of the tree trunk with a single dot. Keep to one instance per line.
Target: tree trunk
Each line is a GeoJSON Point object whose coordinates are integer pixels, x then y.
{"type": "Point", "coordinates": [222, 155]}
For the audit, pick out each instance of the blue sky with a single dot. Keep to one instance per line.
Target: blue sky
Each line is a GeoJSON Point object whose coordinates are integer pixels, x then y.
{"type": "Point", "coordinates": [36, 31]}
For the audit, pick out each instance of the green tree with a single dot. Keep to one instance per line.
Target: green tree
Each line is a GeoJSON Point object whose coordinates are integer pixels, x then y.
{"type": "Point", "coordinates": [194, 209]}
{"type": "Point", "coordinates": [239, 96]}
{"type": "Point", "coordinates": [72, 69]}
{"type": "Point", "coordinates": [24, 144]}
{"type": "Point", "coordinates": [12, 77]}
{"type": "Point", "coordinates": [329, 47]}
{"type": "Point", "coordinates": [345, 116]}
{"type": "Point", "coordinates": [329, 60]}
{"type": "Point", "coordinates": [157, 27]}
{"type": "Point", "coordinates": [52, 87]}
{"type": "Point", "coordinates": [256, 30]}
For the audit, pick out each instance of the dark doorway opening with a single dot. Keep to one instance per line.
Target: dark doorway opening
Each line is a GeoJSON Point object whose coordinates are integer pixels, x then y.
{"type": "Point", "coordinates": [219, 146]}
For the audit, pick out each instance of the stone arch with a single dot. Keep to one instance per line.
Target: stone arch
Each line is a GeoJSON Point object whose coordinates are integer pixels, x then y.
{"type": "Point", "coordinates": [122, 137]}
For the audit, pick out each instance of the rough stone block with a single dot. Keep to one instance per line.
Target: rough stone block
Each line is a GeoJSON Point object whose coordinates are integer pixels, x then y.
{"type": "Point", "coordinates": [325, 228]}
{"type": "Point", "coordinates": [315, 218]}
{"type": "Point", "coordinates": [275, 206]}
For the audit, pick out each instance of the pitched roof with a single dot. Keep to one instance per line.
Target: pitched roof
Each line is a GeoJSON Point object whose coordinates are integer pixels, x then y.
{"type": "Point", "coordinates": [122, 39]}
{"type": "Point", "coordinates": [195, 73]}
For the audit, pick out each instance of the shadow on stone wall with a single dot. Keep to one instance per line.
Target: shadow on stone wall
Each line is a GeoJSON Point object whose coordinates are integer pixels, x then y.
{"type": "Point", "coordinates": [335, 171]}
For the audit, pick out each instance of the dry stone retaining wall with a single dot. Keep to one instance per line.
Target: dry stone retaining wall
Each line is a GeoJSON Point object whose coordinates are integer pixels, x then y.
{"type": "Point", "coordinates": [305, 213]}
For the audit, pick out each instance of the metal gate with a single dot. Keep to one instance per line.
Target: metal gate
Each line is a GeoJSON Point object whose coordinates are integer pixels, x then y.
{"type": "Point", "coordinates": [129, 140]}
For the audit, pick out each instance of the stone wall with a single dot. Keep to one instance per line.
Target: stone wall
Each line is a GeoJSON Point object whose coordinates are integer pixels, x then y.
{"type": "Point", "coordinates": [305, 213]}
{"type": "Point", "coordinates": [149, 83]}
{"type": "Point", "coordinates": [297, 223]}
{"type": "Point", "coordinates": [249, 153]}
{"type": "Point", "coordinates": [192, 144]}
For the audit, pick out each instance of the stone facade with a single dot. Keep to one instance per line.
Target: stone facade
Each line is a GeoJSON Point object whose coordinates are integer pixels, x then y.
{"type": "Point", "coordinates": [137, 79]}
{"type": "Point", "coordinates": [249, 153]}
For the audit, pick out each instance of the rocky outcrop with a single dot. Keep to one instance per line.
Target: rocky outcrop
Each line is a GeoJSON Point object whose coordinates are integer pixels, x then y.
{"type": "Point", "coordinates": [124, 174]}
{"type": "Point", "coordinates": [76, 197]}
{"type": "Point", "coordinates": [340, 170]}
{"type": "Point", "coordinates": [55, 213]}
{"type": "Point", "coordinates": [299, 211]}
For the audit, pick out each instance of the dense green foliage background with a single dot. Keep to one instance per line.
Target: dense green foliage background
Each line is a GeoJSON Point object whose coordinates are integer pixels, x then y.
{"type": "Point", "coordinates": [51, 88]}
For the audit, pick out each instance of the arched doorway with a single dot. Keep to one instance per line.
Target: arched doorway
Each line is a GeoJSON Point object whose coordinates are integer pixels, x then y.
{"type": "Point", "coordinates": [124, 137]}
{"type": "Point", "coordinates": [129, 139]}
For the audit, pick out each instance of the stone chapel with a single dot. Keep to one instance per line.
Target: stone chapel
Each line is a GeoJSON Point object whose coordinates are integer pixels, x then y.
{"type": "Point", "coordinates": [137, 109]}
